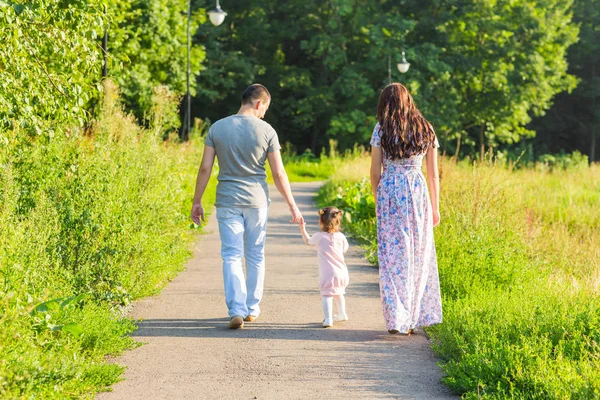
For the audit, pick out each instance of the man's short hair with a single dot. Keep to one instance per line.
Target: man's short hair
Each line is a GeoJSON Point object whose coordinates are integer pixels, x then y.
{"type": "Point", "coordinates": [255, 92]}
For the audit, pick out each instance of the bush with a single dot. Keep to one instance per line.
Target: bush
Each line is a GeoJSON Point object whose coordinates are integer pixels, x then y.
{"type": "Point", "coordinates": [309, 167]}
{"type": "Point", "coordinates": [562, 161]}
{"type": "Point", "coordinates": [88, 222]}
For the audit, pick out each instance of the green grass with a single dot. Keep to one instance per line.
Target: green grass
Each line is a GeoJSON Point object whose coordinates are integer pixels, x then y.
{"type": "Point", "coordinates": [92, 221]}
{"type": "Point", "coordinates": [519, 265]}
{"type": "Point", "coordinates": [307, 167]}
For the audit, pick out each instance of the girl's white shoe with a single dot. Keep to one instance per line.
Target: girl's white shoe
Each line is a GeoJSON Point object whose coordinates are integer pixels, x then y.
{"type": "Point", "coordinates": [328, 323]}
{"type": "Point", "coordinates": [340, 317]}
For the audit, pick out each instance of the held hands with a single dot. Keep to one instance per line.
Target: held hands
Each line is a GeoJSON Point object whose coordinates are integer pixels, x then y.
{"type": "Point", "coordinates": [197, 213]}
{"type": "Point", "coordinates": [296, 215]}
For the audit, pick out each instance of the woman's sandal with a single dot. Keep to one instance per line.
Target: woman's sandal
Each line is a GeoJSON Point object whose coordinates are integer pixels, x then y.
{"type": "Point", "coordinates": [395, 331]}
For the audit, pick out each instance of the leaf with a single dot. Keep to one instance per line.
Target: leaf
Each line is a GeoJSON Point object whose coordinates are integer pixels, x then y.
{"type": "Point", "coordinates": [55, 304]}
{"type": "Point", "coordinates": [73, 329]}
{"type": "Point", "coordinates": [18, 8]}
{"type": "Point", "coordinates": [46, 306]}
{"type": "Point", "coordinates": [73, 300]}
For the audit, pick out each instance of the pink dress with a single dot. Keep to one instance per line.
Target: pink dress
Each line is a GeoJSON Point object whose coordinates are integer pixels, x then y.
{"type": "Point", "coordinates": [333, 273]}
{"type": "Point", "coordinates": [408, 271]}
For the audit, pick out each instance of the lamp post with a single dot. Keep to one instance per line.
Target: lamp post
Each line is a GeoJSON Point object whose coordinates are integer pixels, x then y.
{"type": "Point", "coordinates": [403, 66]}
{"type": "Point", "coordinates": [216, 16]}
{"type": "Point", "coordinates": [105, 48]}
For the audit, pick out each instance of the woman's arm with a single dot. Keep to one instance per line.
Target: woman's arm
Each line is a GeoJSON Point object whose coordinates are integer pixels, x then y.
{"type": "Point", "coordinates": [376, 156]}
{"type": "Point", "coordinates": [433, 179]}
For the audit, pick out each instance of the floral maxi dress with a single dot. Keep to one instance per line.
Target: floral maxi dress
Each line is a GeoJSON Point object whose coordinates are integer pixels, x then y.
{"type": "Point", "coordinates": [408, 273]}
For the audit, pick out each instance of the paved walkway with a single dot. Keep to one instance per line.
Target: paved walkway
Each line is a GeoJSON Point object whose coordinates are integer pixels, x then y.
{"type": "Point", "coordinates": [286, 354]}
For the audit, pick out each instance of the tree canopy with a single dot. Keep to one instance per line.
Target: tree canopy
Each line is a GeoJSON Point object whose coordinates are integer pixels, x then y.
{"type": "Point", "coordinates": [481, 71]}
{"type": "Point", "coordinates": [573, 123]}
{"type": "Point", "coordinates": [52, 56]}
{"type": "Point", "coordinates": [49, 50]}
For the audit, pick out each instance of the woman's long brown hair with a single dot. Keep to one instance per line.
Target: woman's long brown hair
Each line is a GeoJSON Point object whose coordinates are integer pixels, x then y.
{"type": "Point", "coordinates": [404, 131]}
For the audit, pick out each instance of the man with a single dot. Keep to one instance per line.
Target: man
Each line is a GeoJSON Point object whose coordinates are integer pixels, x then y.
{"type": "Point", "coordinates": [242, 143]}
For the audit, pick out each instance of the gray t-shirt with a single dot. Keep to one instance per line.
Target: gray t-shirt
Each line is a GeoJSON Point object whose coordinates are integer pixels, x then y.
{"type": "Point", "coordinates": [241, 144]}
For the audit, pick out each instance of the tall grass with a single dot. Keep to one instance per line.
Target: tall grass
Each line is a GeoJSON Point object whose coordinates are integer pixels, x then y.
{"type": "Point", "coordinates": [89, 221]}
{"type": "Point", "coordinates": [307, 167]}
{"type": "Point", "coordinates": [519, 262]}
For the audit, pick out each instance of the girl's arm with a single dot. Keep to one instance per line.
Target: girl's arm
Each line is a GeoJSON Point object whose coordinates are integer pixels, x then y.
{"type": "Point", "coordinates": [433, 179]}
{"type": "Point", "coordinates": [305, 235]}
{"type": "Point", "coordinates": [376, 156]}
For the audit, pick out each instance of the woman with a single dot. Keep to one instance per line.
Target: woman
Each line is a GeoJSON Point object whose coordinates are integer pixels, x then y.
{"type": "Point", "coordinates": [408, 274]}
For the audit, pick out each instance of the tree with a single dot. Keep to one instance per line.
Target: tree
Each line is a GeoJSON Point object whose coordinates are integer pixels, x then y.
{"type": "Point", "coordinates": [147, 48]}
{"type": "Point", "coordinates": [573, 122]}
{"type": "Point", "coordinates": [47, 60]}
{"type": "Point", "coordinates": [480, 69]}
{"type": "Point", "coordinates": [509, 61]}
{"type": "Point", "coordinates": [51, 58]}
{"type": "Point", "coordinates": [324, 63]}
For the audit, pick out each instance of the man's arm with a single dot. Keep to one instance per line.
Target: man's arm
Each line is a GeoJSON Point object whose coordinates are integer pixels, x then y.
{"type": "Point", "coordinates": [283, 184]}
{"type": "Point", "coordinates": [208, 160]}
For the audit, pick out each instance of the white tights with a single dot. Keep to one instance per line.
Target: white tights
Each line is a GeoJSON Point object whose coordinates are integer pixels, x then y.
{"type": "Point", "coordinates": [340, 305]}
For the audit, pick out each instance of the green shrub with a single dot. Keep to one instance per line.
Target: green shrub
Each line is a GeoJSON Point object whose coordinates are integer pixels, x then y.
{"type": "Point", "coordinates": [563, 161]}
{"type": "Point", "coordinates": [100, 215]}
{"type": "Point", "coordinates": [308, 167]}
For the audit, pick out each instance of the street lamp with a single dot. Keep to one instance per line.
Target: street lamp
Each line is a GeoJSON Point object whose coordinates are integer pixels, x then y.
{"type": "Point", "coordinates": [403, 66]}
{"type": "Point", "coordinates": [217, 16]}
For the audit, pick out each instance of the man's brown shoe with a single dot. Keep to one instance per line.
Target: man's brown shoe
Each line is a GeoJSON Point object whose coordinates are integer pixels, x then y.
{"type": "Point", "coordinates": [250, 318]}
{"type": "Point", "coordinates": [236, 322]}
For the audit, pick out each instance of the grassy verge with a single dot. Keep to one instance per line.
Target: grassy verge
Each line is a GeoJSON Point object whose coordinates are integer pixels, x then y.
{"type": "Point", "coordinates": [307, 167]}
{"type": "Point", "coordinates": [88, 223]}
{"type": "Point", "coordinates": [520, 272]}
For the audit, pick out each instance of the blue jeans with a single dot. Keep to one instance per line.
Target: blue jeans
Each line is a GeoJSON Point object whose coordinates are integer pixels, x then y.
{"type": "Point", "coordinates": [243, 232]}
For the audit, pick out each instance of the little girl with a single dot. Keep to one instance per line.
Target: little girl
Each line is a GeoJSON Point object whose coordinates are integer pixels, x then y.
{"type": "Point", "coordinates": [333, 273]}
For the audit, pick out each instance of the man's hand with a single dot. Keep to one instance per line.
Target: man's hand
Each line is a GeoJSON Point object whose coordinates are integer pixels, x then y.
{"type": "Point", "coordinates": [197, 213]}
{"type": "Point", "coordinates": [296, 215]}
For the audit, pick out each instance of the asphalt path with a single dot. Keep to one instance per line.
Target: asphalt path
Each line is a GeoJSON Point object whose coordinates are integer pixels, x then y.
{"type": "Point", "coordinates": [189, 353]}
